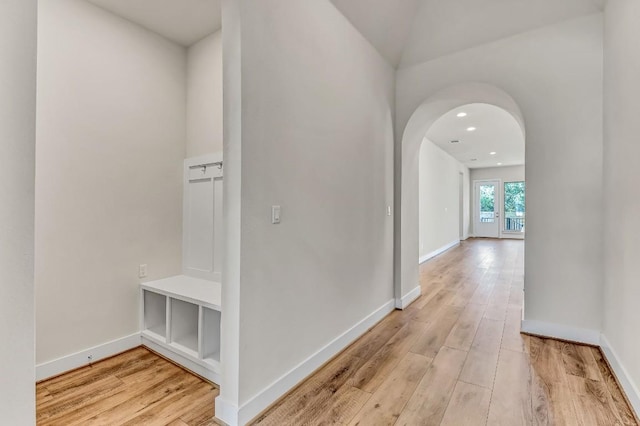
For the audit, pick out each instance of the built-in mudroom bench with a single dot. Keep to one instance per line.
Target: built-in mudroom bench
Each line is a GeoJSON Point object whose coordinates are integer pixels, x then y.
{"type": "Point", "coordinates": [180, 315]}
{"type": "Point", "coordinates": [181, 321]}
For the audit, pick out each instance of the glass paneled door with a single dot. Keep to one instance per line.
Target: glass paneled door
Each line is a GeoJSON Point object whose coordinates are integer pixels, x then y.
{"type": "Point", "coordinates": [487, 209]}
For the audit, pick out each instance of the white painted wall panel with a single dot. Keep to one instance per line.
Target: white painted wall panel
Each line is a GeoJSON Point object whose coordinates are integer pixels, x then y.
{"type": "Point", "coordinates": [110, 146]}
{"type": "Point", "coordinates": [17, 158]}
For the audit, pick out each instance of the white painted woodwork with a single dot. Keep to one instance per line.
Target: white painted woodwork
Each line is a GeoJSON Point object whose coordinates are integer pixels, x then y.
{"type": "Point", "coordinates": [487, 227]}
{"type": "Point", "coordinates": [181, 320]}
{"type": "Point", "coordinates": [202, 217]}
{"type": "Point", "coordinates": [181, 314]}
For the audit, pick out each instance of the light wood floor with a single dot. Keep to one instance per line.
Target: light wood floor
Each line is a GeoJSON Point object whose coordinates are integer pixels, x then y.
{"type": "Point", "coordinates": [454, 357]}
{"type": "Point", "coordinates": [135, 388]}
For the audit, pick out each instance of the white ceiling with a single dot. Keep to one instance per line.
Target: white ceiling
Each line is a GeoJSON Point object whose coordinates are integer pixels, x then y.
{"type": "Point", "coordinates": [496, 131]}
{"type": "Point", "coordinates": [407, 32]}
{"type": "Point", "coordinates": [182, 21]}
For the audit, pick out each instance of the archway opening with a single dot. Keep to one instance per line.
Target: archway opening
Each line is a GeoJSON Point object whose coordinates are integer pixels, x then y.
{"type": "Point", "coordinates": [444, 106]}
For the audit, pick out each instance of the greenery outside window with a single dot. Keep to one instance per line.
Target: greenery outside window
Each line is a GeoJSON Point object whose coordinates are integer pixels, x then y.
{"type": "Point", "coordinates": [514, 206]}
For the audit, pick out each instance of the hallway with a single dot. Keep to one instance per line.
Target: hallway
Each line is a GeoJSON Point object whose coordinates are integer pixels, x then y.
{"type": "Point", "coordinates": [456, 356]}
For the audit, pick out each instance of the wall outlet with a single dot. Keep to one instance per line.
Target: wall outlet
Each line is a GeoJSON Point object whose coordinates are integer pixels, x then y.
{"type": "Point", "coordinates": [142, 271]}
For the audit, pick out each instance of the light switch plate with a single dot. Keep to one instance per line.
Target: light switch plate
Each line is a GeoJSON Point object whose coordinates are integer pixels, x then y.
{"type": "Point", "coordinates": [275, 214]}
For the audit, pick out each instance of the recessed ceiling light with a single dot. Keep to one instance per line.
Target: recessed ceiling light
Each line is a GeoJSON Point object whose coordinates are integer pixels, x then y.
{"type": "Point", "coordinates": [471, 129]}
{"type": "Point", "coordinates": [462, 114]}
{"type": "Point", "coordinates": [492, 153]}
{"type": "Point", "coordinates": [499, 164]}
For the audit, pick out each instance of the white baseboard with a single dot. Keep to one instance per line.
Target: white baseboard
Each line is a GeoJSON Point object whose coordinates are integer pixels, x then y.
{"type": "Point", "coordinates": [182, 360]}
{"type": "Point", "coordinates": [408, 298]}
{"type": "Point", "coordinates": [79, 359]}
{"type": "Point", "coordinates": [573, 334]}
{"type": "Point", "coordinates": [438, 251]}
{"type": "Point", "coordinates": [234, 415]}
{"type": "Point", "coordinates": [629, 387]}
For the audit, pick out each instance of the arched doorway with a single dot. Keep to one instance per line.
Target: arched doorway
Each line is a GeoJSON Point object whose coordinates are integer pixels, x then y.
{"type": "Point", "coordinates": [407, 286]}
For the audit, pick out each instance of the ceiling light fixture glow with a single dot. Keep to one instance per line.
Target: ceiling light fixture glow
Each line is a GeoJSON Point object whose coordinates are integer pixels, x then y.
{"type": "Point", "coordinates": [492, 153]}
{"type": "Point", "coordinates": [471, 129]}
{"type": "Point", "coordinates": [461, 114]}
{"type": "Point", "coordinates": [499, 164]}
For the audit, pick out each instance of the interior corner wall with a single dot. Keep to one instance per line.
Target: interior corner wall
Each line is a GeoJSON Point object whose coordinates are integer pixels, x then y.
{"type": "Point", "coordinates": [317, 140]}
{"type": "Point", "coordinates": [555, 75]}
{"type": "Point", "coordinates": [204, 96]}
{"type": "Point", "coordinates": [621, 201]}
{"type": "Point", "coordinates": [110, 147]}
{"type": "Point", "coordinates": [439, 199]}
{"type": "Point", "coordinates": [17, 157]}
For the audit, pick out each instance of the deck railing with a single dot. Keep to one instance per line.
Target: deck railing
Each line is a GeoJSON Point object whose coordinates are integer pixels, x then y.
{"type": "Point", "coordinates": [513, 222]}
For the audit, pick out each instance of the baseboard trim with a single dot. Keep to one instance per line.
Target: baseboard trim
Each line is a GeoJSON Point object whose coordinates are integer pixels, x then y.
{"type": "Point", "coordinates": [234, 415]}
{"type": "Point", "coordinates": [628, 386]}
{"type": "Point", "coordinates": [441, 250]}
{"type": "Point", "coordinates": [79, 359]}
{"type": "Point", "coordinates": [408, 298]}
{"type": "Point", "coordinates": [561, 332]}
{"type": "Point", "coordinates": [182, 360]}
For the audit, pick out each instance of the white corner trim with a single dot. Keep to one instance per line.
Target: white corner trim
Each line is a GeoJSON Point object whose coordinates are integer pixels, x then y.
{"type": "Point", "coordinates": [79, 359]}
{"type": "Point", "coordinates": [562, 332]}
{"type": "Point", "coordinates": [234, 415]}
{"type": "Point", "coordinates": [227, 411]}
{"type": "Point", "coordinates": [408, 298]}
{"type": "Point", "coordinates": [629, 387]}
{"type": "Point", "coordinates": [438, 251]}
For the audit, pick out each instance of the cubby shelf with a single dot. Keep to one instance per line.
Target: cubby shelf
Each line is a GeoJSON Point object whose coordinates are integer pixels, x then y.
{"type": "Point", "coordinates": [181, 320]}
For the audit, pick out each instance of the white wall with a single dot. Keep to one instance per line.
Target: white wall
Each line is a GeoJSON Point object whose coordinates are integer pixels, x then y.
{"type": "Point", "coordinates": [555, 76]}
{"type": "Point", "coordinates": [110, 144]}
{"type": "Point", "coordinates": [204, 96]}
{"type": "Point", "coordinates": [440, 198]}
{"type": "Point", "coordinates": [317, 139]}
{"type": "Point", "coordinates": [17, 156]}
{"type": "Point", "coordinates": [621, 177]}
{"type": "Point", "coordinates": [504, 174]}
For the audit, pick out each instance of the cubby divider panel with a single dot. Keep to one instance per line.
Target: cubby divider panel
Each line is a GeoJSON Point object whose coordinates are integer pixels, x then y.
{"type": "Point", "coordinates": [155, 313]}
{"type": "Point", "coordinates": [210, 334]}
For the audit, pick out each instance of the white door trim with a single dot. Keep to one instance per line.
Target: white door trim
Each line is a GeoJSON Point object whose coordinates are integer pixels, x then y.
{"type": "Point", "coordinates": [498, 200]}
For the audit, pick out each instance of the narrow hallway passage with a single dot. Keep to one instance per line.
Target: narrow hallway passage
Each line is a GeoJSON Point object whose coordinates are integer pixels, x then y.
{"type": "Point", "coordinates": [456, 357]}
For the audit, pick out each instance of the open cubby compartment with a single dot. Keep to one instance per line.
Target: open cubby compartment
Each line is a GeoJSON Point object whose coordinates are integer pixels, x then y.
{"type": "Point", "coordinates": [210, 335]}
{"type": "Point", "coordinates": [155, 314]}
{"type": "Point", "coordinates": [184, 326]}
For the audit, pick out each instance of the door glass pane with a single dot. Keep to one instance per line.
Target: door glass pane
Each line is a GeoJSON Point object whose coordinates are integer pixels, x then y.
{"type": "Point", "coordinates": [514, 206]}
{"type": "Point", "coordinates": [487, 203]}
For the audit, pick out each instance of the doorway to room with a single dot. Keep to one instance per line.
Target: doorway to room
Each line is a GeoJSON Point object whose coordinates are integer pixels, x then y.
{"type": "Point", "coordinates": [451, 124]}
{"type": "Point", "coordinates": [486, 209]}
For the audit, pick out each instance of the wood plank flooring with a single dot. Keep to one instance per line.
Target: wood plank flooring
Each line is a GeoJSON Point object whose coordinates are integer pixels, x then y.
{"type": "Point", "coordinates": [454, 357]}
{"type": "Point", "coordinates": [134, 388]}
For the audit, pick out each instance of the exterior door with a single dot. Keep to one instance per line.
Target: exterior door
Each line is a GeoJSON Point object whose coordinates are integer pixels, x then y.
{"type": "Point", "coordinates": [487, 209]}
